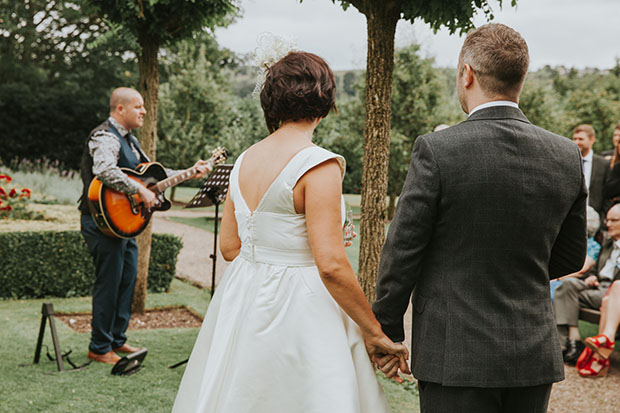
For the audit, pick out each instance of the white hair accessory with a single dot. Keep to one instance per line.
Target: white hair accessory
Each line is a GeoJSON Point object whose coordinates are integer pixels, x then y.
{"type": "Point", "coordinates": [270, 49]}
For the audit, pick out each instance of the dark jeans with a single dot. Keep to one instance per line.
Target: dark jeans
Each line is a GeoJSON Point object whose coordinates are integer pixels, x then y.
{"type": "Point", "coordinates": [116, 266]}
{"type": "Point", "coordinates": [435, 398]}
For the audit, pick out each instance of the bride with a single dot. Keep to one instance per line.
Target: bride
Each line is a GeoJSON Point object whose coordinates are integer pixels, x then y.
{"type": "Point", "coordinates": [289, 328]}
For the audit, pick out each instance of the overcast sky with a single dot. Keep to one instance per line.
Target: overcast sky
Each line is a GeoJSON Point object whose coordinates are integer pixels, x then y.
{"type": "Point", "coordinates": [573, 33]}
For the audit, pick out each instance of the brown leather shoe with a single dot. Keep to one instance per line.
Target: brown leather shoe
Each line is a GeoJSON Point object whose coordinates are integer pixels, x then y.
{"type": "Point", "coordinates": [108, 358]}
{"type": "Point", "coordinates": [126, 348]}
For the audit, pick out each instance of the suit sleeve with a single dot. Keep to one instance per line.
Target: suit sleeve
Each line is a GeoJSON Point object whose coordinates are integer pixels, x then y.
{"type": "Point", "coordinates": [569, 250]}
{"type": "Point", "coordinates": [407, 238]}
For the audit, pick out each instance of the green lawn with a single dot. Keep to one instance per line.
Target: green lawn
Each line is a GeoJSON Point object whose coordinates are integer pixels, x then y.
{"type": "Point", "coordinates": [41, 388]}
{"type": "Point", "coordinates": [204, 223]}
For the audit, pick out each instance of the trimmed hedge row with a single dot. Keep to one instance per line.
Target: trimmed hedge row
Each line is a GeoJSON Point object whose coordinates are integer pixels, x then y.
{"type": "Point", "coordinates": [58, 264]}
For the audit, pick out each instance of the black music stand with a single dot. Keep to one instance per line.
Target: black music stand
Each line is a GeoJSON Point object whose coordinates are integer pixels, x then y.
{"type": "Point", "coordinates": [213, 192]}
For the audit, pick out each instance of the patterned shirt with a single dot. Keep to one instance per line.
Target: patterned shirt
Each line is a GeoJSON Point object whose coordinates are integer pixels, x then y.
{"type": "Point", "coordinates": [104, 147]}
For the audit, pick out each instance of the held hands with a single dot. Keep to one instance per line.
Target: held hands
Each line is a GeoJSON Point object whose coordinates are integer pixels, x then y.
{"type": "Point", "coordinates": [203, 167]}
{"type": "Point", "coordinates": [389, 357]}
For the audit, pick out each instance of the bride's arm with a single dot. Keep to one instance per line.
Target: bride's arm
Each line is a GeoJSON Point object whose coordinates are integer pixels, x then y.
{"type": "Point", "coordinates": [321, 188]}
{"type": "Point", "coordinates": [230, 244]}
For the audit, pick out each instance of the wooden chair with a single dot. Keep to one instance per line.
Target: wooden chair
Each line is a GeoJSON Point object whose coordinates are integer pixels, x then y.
{"type": "Point", "coordinates": [589, 315]}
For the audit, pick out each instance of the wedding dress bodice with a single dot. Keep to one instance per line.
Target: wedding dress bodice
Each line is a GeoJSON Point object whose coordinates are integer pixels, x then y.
{"type": "Point", "coordinates": [275, 233]}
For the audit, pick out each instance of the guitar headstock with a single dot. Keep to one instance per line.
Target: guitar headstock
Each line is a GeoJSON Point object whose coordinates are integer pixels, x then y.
{"type": "Point", "coordinates": [218, 155]}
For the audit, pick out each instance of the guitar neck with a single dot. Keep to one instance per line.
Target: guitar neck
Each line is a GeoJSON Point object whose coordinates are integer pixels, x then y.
{"type": "Point", "coordinates": [174, 180]}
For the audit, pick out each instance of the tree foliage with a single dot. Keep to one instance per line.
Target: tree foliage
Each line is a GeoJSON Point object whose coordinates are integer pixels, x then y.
{"type": "Point", "coordinates": [46, 58]}
{"type": "Point", "coordinates": [193, 98]}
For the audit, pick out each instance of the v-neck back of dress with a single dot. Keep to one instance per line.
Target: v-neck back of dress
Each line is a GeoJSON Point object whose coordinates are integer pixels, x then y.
{"type": "Point", "coordinates": [274, 232]}
{"type": "Point", "coordinates": [282, 171]}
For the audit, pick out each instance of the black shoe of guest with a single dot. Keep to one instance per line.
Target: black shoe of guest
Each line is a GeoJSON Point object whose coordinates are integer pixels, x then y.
{"type": "Point", "coordinates": [573, 350]}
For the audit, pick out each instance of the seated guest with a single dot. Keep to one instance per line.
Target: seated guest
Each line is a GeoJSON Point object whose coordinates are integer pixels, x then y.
{"type": "Point", "coordinates": [615, 138]}
{"type": "Point", "coordinates": [578, 292]}
{"type": "Point", "coordinates": [594, 360]}
{"type": "Point", "coordinates": [593, 250]}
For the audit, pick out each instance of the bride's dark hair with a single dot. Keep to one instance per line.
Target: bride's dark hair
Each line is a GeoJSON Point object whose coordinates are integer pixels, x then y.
{"type": "Point", "coordinates": [300, 86]}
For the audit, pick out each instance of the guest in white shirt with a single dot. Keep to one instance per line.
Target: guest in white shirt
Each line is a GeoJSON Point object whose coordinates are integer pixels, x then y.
{"type": "Point", "coordinates": [595, 167]}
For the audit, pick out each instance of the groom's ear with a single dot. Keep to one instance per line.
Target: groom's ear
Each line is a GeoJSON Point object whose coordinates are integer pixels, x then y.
{"type": "Point", "coordinates": [468, 76]}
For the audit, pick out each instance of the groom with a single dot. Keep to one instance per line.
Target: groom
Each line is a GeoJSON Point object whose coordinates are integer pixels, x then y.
{"type": "Point", "coordinates": [491, 209]}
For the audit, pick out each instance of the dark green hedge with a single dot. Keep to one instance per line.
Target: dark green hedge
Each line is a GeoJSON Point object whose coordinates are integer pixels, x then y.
{"type": "Point", "coordinates": [58, 264]}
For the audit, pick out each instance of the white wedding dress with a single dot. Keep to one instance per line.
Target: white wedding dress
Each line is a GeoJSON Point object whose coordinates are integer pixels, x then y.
{"type": "Point", "coordinates": [273, 339]}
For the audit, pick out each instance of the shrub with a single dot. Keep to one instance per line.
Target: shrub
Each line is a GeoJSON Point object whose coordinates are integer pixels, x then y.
{"type": "Point", "coordinates": [58, 264]}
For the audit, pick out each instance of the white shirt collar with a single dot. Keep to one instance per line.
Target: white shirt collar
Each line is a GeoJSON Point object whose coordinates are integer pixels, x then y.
{"type": "Point", "coordinates": [494, 103]}
{"type": "Point", "coordinates": [589, 156]}
{"type": "Point", "coordinates": [120, 128]}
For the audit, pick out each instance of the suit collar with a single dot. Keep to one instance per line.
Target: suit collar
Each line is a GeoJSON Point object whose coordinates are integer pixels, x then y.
{"type": "Point", "coordinates": [498, 112]}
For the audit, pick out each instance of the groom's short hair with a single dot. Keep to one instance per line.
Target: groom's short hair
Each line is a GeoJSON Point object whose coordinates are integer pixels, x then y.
{"type": "Point", "coordinates": [499, 57]}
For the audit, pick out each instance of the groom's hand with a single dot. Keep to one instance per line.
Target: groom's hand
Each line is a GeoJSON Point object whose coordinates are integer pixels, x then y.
{"type": "Point", "coordinates": [389, 364]}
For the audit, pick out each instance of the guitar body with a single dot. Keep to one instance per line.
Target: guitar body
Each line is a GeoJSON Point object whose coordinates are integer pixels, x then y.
{"type": "Point", "coordinates": [124, 216]}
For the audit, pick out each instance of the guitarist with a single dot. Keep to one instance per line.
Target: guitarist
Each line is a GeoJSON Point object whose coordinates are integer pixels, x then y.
{"type": "Point", "coordinates": [109, 147]}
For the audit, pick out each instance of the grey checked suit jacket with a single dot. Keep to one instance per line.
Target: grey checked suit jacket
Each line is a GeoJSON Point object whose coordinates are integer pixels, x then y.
{"type": "Point", "coordinates": [491, 209]}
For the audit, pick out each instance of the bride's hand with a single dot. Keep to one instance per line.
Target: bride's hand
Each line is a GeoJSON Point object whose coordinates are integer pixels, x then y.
{"type": "Point", "coordinates": [349, 243]}
{"type": "Point", "coordinates": [390, 357]}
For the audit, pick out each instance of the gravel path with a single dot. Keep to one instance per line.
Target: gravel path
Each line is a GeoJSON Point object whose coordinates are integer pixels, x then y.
{"type": "Point", "coordinates": [574, 394]}
{"type": "Point", "coordinates": [194, 263]}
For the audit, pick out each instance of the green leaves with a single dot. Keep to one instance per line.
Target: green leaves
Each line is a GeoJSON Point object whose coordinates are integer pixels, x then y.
{"type": "Point", "coordinates": [166, 21]}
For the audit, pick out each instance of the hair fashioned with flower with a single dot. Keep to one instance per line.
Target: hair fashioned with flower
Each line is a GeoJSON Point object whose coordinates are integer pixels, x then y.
{"type": "Point", "coordinates": [270, 49]}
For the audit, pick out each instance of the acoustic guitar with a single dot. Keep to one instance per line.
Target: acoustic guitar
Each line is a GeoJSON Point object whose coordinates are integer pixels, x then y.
{"type": "Point", "coordinates": [121, 215]}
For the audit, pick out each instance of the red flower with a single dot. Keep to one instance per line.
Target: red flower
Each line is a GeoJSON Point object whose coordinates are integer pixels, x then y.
{"type": "Point", "coordinates": [25, 193]}
{"type": "Point", "coordinates": [6, 208]}
{"type": "Point", "coordinates": [13, 193]}
{"type": "Point", "coordinates": [2, 193]}
{"type": "Point", "coordinates": [6, 178]}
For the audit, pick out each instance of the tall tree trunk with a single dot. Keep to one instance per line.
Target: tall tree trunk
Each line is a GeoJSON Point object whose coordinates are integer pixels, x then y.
{"type": "Point", "coordinates": [381, 19]}
{"type": "Point", "coordinates": [149, 85]}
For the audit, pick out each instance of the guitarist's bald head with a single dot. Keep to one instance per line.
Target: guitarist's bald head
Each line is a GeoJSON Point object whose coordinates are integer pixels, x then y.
{"type": "Point", "coordinates": [122, 96]}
